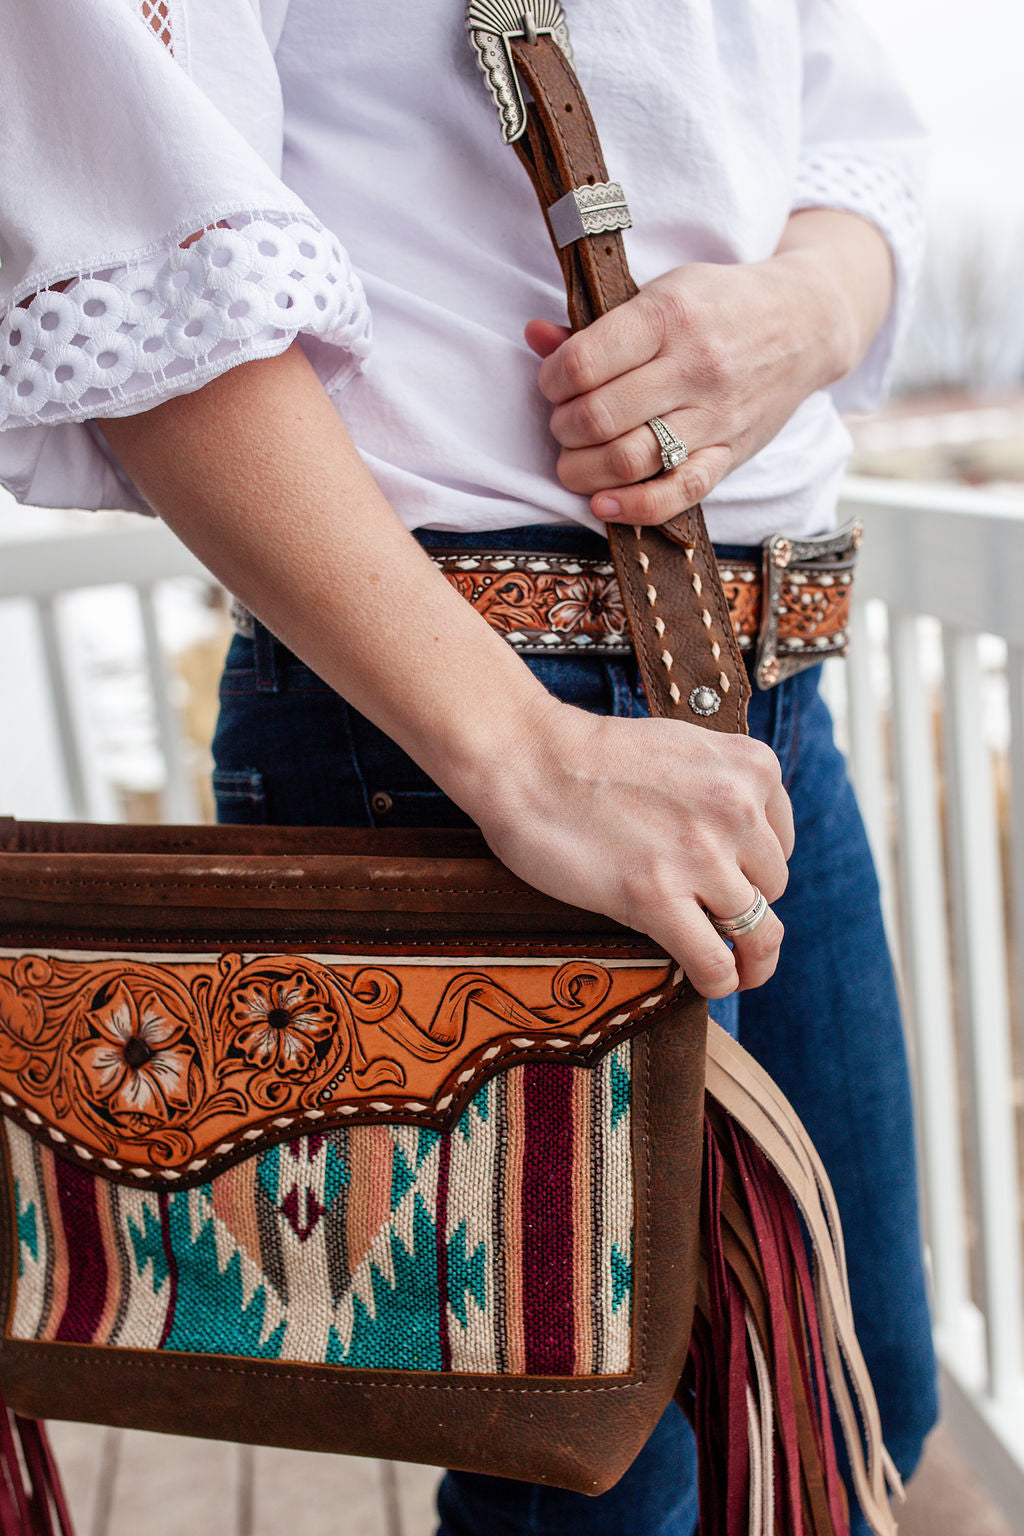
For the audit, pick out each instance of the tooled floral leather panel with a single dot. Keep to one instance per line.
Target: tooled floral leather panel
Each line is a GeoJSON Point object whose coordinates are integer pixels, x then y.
{"type": "Point", "coordinates": [541, 604]}
{"type": "Point", "coordinates": [814, 611]}
{"type": "Point", "coordinates": [148, 1068]}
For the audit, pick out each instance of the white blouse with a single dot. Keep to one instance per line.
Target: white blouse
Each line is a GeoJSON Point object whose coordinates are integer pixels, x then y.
{"type": "Point", "coordinates": [344, 162]}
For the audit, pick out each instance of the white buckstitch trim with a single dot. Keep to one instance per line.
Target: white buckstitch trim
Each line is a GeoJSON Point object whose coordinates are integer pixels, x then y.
{"type": "Point", "coordinates": [667, 659]}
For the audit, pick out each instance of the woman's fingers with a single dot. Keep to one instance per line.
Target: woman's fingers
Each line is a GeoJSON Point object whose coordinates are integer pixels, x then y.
{"type": "Point", "coordinates": [634, 455]}
{"type": "Point", "coordinates": [658, 824]}
{"type": "Point", "coordinates": [603, 415]}
{"type": "Point", "coordinates": [687, 933]}
{"type": "Point", "coordinates": [729, 895]}
{"type": "Point", "coordinates": [545, 337]}
{"type": "Point", "coordinates": [756, 952]}
{"type": "Point", "coordinates": [779, 812]}
{"type": "Point", "coordinates": [656, 501]}
{"type": "Point", "coordinates": [623, 339]}
{"type": "Point", "coordinates": [710, 964]}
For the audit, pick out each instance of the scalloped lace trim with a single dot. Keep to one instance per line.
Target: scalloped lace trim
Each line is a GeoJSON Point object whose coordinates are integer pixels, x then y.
{"type": "Point", "coordinates": [116, 340]}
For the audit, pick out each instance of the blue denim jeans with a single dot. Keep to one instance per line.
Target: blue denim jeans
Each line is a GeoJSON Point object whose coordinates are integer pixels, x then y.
{"type": "Point", "coordinates": [827, 1025]}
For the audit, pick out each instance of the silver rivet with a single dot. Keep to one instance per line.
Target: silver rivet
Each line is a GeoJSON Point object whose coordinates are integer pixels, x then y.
{"type": "Point", "coordinates": [705, 700]}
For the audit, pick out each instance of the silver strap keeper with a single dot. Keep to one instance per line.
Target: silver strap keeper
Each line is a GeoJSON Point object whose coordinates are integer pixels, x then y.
{"type": "Point", "coordinates": [589, 210]}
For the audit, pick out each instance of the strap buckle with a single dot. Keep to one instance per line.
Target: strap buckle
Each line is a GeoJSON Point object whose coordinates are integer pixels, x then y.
{"type": "Point", "coordinates": [833, 556]}
{"type": "Point", "coordinates": [492, 24]}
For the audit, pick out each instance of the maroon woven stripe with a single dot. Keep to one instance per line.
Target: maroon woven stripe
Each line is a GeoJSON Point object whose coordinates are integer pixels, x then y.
{"type": "Point", "coordinates": [547, 1221]}
{"type": "Point", "coordinates": [86, 1261]}
{"type": "Point", "coordinates": [441, 1240]}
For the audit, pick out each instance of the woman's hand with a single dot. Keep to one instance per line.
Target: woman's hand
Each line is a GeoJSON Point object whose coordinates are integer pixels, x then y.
{"type": "Point", "coordinates": [645, 820]}
{"type": "Point", "coordinates": [651, 822]}
{"type": "Point", "coordinates": [723, 354]}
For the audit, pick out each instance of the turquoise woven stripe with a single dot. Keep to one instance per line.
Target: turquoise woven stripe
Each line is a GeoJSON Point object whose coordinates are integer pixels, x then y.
{"type": "Point", "coordinates": [401, 1332]}
{"type": "Point", "coordinates": [326, 1249]}
{"type": "Point", "coordinates": [28, 1228]}
{"type": "Point", "coordinates": [210, 1312]}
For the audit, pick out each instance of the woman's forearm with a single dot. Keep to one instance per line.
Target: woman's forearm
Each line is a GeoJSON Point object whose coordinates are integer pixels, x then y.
{"type": "Point", "coordinates": [845, 263]}
{"type": "Point", "coordinates": [256, 473]}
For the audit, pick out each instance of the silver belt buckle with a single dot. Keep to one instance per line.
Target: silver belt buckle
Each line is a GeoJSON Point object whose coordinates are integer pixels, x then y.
{"type": "Point", "coordinates": [779, 553]}
{"type": "Point", "coordinates": [492, 24]}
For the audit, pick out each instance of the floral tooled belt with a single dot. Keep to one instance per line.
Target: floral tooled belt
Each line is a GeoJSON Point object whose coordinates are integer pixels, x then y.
{"type": "Point", "coordinates": [565, 604]}
{"type": "Point", "coordinates": [556, 604]}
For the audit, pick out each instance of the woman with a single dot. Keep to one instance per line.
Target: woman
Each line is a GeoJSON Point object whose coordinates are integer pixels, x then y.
{"type": "Point", "coordinates": [183, 330]}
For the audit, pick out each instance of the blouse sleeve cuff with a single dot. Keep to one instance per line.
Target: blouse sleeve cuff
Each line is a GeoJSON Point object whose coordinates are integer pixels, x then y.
{"type": "Point", "coordinates": [119, 341]}
{"type": "Point", "coordinates": [889, 199]}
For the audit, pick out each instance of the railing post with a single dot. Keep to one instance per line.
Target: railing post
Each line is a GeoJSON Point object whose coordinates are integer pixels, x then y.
{"type": "Point", "coordinates": [926, 976]}
{"type": "Point", "coordinates": [63, 710]}
{"type": "Point", "coordinates": [867, 757]}
{"type": "Point", "coordinates": [180, 804]}
{"type": "Point", "coordinates": [976, 902]}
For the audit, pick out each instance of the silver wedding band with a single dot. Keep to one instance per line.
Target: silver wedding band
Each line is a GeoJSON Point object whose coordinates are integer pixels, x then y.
{"type": "Point", "coordinates": [744, 922]}
{"type": "Point", "coordinates": [673, 450]}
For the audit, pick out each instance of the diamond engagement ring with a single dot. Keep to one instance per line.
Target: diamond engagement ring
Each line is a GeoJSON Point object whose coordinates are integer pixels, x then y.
{"type": "Point", "coordinates": [734, 927]}
{"type": "Point", "coordinates": [673, 449]}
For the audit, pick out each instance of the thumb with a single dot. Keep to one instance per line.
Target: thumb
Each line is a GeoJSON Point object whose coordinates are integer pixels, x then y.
{"type": "Point", "coordinates": [545, 337]}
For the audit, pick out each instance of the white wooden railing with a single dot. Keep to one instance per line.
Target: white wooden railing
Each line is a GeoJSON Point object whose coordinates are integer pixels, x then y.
{"type": "Point", "coordinates": [934, 715]}
{"type": "Point", "coordinates": [931, 707]}
{"type": "Point", "coordinates": [140, 555]}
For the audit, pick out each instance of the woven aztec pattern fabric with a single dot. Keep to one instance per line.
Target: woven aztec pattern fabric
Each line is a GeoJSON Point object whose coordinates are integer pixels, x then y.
{"type": "Point", "coordinates": [501, 1246]}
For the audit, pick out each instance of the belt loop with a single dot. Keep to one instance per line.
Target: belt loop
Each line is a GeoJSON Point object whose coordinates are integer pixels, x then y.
{"type": "Point", "coordinates": [264, 648]}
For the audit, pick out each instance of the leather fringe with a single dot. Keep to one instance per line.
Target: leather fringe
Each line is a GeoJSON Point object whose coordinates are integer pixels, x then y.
{"type": "Point", "coordinates": [32, 1501]}
{"type": "Point", "coordinates": [773, 1347]}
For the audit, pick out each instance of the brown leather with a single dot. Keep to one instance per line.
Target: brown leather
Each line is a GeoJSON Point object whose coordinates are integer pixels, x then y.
{"type": "Point", "coordinates": [543, 604]}
{"type": "Point", "coordinates": [564, 605]}
{"type": "Point", "coordinates": [677, 609]}
{"type": "Point", "coordinates": [231, 1054]}
{"type": "Point", "coordinates": [114, 887]}
{"type": "Point", "coordinates": [579, 1433]}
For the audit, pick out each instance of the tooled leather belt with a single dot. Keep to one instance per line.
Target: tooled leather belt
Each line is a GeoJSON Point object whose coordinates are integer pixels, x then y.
{"type": "Point", "coordinates": [551, 604]}
{"type": "Point", "coordinates": [790, 610]}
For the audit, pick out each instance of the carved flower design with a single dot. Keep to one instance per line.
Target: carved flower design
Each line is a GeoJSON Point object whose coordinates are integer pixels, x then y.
{"type": "Point", "coordinates": [281, 1021]}
{"type": "Point", "coordinates": [21, 1019]}
{"type": "Point", "coordinates": [140, 1064]}
{"type": "Point", "coordinates": [595, 610]}
{"type": "Point", "coordinates": [511, 602]}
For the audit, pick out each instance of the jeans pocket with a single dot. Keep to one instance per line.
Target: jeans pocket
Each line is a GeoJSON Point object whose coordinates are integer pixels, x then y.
{"type": "Point", "coordinates": [240, 797]}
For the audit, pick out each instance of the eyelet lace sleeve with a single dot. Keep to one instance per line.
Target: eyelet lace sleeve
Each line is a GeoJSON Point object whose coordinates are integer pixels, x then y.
{"type": "Point", "coordinates": [117, 341]}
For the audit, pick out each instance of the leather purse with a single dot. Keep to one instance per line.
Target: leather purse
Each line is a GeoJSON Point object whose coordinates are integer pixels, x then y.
{"type": "Point", "coordinates": [351, 1141]}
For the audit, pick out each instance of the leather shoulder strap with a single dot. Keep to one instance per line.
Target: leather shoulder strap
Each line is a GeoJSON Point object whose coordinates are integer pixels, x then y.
{"type": "Point", "coordinates": [679, 618]}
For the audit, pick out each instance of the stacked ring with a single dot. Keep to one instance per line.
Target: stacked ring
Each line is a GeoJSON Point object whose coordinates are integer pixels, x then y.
{"type": "Point", "coordinates": [745, 922]}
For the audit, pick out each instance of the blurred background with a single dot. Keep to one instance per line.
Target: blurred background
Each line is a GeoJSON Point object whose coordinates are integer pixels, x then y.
{"type": "Point", "coordinates": [111, 640]}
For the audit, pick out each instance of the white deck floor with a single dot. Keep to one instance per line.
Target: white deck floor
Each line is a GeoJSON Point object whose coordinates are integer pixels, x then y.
{"type": "Point", "coordinates": [129, 1484]}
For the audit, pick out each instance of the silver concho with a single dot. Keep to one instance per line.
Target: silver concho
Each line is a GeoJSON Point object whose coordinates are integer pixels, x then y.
{"type": "Point", "coordinates": [705, 700]}
{"type": "Point", "coordinates": [491, 25]}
